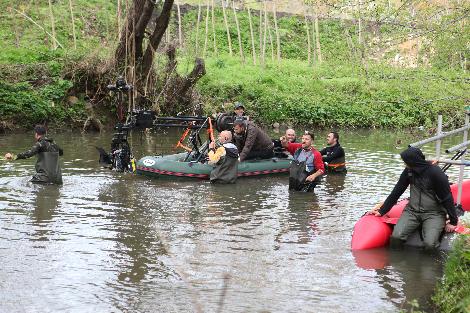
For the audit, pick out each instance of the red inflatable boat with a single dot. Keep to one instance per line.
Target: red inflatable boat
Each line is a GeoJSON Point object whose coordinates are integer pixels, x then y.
{"type": "Point", "coordinates": [373, 232]}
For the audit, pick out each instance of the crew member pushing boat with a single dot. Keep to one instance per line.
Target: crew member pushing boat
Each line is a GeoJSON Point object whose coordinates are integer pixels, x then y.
{"type": "Point", "coordinates": [430, 200]}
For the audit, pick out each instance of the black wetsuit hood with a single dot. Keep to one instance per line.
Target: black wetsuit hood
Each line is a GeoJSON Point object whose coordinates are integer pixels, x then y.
{"type": "Point", "coordinates": [414, 158]}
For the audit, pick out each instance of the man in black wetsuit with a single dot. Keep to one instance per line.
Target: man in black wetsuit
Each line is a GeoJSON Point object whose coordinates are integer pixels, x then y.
{"type": "Point", "coordinates": [47, 165]}
{"type": "Point", "coordinates": [333, 155]}
{"type": "Point", "coordinates": [430, 201]}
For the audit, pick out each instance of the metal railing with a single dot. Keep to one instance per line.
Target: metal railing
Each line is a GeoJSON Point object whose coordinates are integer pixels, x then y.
{"type": "Point", "coordinates": [440, 135]}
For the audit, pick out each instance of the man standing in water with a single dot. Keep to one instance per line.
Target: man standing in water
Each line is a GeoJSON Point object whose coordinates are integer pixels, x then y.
{"type": "Point", "coordinates": [224, 159]}
{"type": "Point", "coordinates": [307, 167]}
{"type": "Point", "coordinates": [47, 165]}
{"type": "Point", "coordinates": [430, 200]}
{"type": "Point", "coordinates": [333, 155]}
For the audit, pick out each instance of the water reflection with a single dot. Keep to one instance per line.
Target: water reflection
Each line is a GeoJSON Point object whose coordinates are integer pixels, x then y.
{"type": "Point", "coordinates": [334, 183]}
{"type": "Point", "coordinates": [45, 203]}
{"type": "Point", "coordinates": [110, 242]}
{"type": "Point", "coordinates": [404, 272]}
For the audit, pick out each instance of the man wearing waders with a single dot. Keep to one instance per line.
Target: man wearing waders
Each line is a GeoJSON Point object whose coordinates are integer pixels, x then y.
{"type": "Point", "coordinates": [307, 167]}
{"type": "Point", "coordinates": [224, 158]}
{"type": "Point", "coordinates": [47, 166]}
{"type": "Point", "coordinates": [430, 201]}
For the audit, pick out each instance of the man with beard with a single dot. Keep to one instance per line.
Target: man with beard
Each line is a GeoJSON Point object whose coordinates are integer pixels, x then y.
{"type": "Point", "coordinates": [307, 166]}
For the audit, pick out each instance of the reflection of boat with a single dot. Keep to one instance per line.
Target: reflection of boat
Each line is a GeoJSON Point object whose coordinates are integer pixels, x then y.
{"type": "Point", "coordinates": [374, 232]}
{"type": "Point", "coordinates": [175, 165]}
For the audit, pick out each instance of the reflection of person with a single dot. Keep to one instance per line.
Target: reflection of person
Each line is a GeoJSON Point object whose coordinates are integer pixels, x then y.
{"type": "Point", "coordinates": [47, 165]}
{"type": "Point", "coordinates": [333, 154]}
{"type": "Point", "coordinates": [334, 183]}
{"type": "Point", "coordinates": [46, 202]}
{"type": "Point", "coordinates": [224, 159]}
{"type": "Point", "coordinates": [251, 141]}
{"type": "Point", "coordinates": [307, 166]}
{"type": "Point", "coordinates": [430, 199]}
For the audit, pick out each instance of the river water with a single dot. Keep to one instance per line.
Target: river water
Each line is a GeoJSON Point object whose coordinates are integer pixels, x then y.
{"type": "Point", "coordinates": [112, 242]}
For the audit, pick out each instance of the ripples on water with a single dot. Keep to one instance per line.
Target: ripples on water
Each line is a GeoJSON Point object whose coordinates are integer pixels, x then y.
{"type": "Point", "coordinates": [108, 242]}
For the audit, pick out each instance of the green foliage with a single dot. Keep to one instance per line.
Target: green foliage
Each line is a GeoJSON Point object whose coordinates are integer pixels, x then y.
{"type": "Point", "coordinates": [341, 91]}
{"type": "Point", "coordinates": [25, 105]}
{"type": "Point", "coordinates": [292, 92]}
{"type": "Point", "coordinates": [452, 294]}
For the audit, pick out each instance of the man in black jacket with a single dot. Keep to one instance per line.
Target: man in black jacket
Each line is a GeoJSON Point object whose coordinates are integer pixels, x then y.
{"type": "Point", "coordinates": [333, 155]}
{"type": "Point", "coordinates": [252, 142]}
{"type": "Point", "coordinates": [430, 200]}
{"type": "Point", "coordinates": [48, 152]}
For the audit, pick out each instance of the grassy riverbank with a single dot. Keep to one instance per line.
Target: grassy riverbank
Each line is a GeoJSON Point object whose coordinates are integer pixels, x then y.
{"type": "Point", "coordinates": [334, 94]}
{"type": "Point", "coordinates": [452, 293]}
{"type": "Point", "coordinates": [342, 90]}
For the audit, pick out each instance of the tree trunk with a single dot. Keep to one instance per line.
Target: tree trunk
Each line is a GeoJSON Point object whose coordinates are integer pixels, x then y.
{"type": "Point", "coordinates": [54, 43]}
{"type": "Point", "coordinates": [309, 48]}
{"type": "Point", "coordinates": [213, 28]}
{"type": "Point", "coordinates": [278, 39]}
{"type": "Point", "coordinates": [271, 41]}
{"type": "Point", "coordinates": [265, 32]}
{"type": "Point", "coordinates": [154, 40]}
{"type": "Point", "coordinates": [140, 28]}
{"type": "Point", "coordinates": [127, 32]}
{"type": "Point", "coordinates": [176, 90]}
{"type": "Point", "coordinates": [73, 25]}
{"type": "Point", "coordinates": [238, 32]}
{"type": "Point", "coordinates": [314, 45]}
{"type": "Point", "coordinates": [317, 38]}
{"type": "Point", "coordinates": [197, 27]}
{"type": "Point", "coordinates": [261, 34]}
{"type": "Point", "coordinates": [227, 29]}
{"type": "Point", "coordinates": [207, 30]}
{"type": "Point", "coordinates": [118, 13]}
{"type": "Point", "coordinates": [253, 50]}
{"type": "Point", "coordinates": [180, 32]}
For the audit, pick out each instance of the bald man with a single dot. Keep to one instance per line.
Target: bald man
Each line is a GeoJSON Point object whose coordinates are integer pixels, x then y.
{"type": "Point", "coordinates": [290, 135]}
{"type": "Point", "coordinates": [279, 150]}
{"type": "Point", "coordinates": [224, 158]}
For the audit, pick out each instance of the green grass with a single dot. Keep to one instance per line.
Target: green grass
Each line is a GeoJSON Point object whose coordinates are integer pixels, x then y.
{"type": "Point", "coordinates": [452, 295]}
{"type": "Point", "coordinates": [334, 94]}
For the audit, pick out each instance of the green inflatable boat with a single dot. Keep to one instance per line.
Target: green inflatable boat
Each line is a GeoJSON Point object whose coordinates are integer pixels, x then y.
{"type": "Point", "coordinates": [175, 165]}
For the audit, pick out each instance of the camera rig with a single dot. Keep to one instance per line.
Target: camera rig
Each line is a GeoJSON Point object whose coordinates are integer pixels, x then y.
{"type": "Point", "coordinates": [120, 157]}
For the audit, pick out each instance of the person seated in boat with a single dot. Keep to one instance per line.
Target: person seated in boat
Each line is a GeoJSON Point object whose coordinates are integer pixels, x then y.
{"type": "Point", "coordinates": [430, 200]}
{"type": "Point", "coordinates": [279, 150]}
{"type": "Point", "coordinates": [224, 158]}
{"type": "Point", "coordinates": [307, 167]}
{"type": "Point", "coordinates": [48, 152]}
{"type": "Point", "coordinates": [333, 155]}
{"type": "Point", "coordinates": [251, 141]}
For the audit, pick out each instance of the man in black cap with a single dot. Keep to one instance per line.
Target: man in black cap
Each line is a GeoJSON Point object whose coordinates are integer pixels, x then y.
{"type": "Point", "coordinates": [47, 165]}
{"type": "Point", "coordinates": [430, 201]}
{"type": "Point", "coordinates": [238, 109]}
